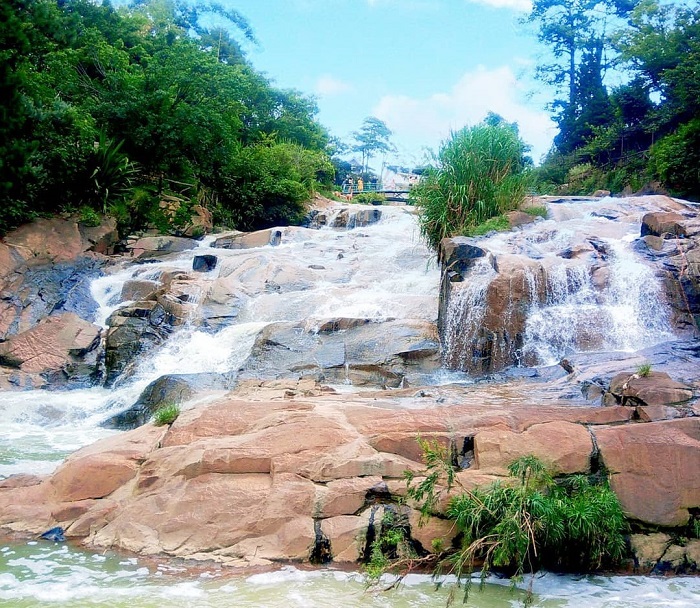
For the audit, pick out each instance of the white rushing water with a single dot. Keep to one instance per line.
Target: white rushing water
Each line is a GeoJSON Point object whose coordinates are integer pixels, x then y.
{"type": "Point", "coordinates": [42, 575]}
{"type": "Point", "coordinates": [579, 301]}
{"type": "Point", "coordinates": [381, 271]}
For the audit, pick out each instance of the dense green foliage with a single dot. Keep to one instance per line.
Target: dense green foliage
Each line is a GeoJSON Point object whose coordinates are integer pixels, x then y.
{"type": "Point", "coordinates": [96, 101]}
{"type": "Point", "coordinates": [479, 175]}
{"type": "Point", "coordinates": [530, 521]}
{"type": "Point", "coordinates": [647, 129]}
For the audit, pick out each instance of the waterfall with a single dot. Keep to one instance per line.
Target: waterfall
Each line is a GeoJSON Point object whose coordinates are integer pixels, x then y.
{"type": "Point", "coordinates": [585, 290]}
{"type": "Point", "coordinates": [465, 313]}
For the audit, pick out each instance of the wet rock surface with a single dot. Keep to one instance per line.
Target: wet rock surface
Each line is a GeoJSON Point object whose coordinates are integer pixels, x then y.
{"type": "Point", "coordinates": [357, 351]}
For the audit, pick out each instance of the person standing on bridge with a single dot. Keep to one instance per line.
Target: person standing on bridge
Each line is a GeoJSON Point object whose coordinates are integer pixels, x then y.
{"type": "Point", "coordinates": [360, 184]}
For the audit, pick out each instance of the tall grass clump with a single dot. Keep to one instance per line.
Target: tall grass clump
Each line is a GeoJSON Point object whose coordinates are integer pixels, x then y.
{"type": "Point", "coordinates": [528, 521]}
{"type": "Point", "coordinates": [479, 174]}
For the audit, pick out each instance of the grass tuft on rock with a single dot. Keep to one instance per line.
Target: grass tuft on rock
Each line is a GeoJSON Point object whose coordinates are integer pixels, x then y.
{"type": "Point", "coordinates": [166, 414]}
{"type": "Point", "coordinates": [479, 175]}
{"type": "Point", "coordinates": [644, 370]}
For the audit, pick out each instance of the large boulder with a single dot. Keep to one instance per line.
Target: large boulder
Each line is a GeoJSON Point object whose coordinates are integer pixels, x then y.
{"type": "Point", "coordinates": [172, 389]}
{"type": "Point", "coordinates": [654, 468]}
{"type": "Point", "coordinates": [249, 240]}
{"type": "Point", "coordinates": [62, 349]}
{"type": "Point", "coordinates": [307, 478]}
{"type": "Point", "coordinates": [361, 353]}
{"type": "Point", "coordinates": [158, 246]}
{"type": "Point", "coordinates": [33, 293]}
{"type": "Point", "coordinates": [664, 224]}
{"type": "Point", "coordinates": [133, 330]}
{"type": "Point", "coordinates": [482, 316]}
{"type": "Point", "coordinates": [653, 388]}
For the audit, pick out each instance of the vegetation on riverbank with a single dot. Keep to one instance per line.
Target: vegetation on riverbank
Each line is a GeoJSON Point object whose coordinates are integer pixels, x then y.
{"type": "Point", "coordinates": [530, 521]}
{"type": "Point", "coordinates": [479, 174]}
{"type": "Point", "coordinates": [623, 137]}
{"type": "Point", "coordinates": [111, 109]}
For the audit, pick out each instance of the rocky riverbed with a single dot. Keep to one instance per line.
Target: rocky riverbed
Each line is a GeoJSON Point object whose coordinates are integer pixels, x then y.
{"type": "Point", "coordinates": [316, 422]}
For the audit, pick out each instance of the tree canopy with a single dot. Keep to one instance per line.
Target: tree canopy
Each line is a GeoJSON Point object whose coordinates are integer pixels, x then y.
{"type": "Point", "coordinates": [642, 130]}
{"type": "Point", "coordinates": [372, 138]}
{"type": "Point", "coordinates": [110, 107]}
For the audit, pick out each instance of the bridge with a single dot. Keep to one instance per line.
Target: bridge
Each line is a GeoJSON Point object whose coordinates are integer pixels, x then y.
{"type": "Point", "coordinates": [392, 192]}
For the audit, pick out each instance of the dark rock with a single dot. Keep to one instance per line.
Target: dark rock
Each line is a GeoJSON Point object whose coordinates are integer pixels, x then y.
{"type": "Point", "coordinates": [459, 252]}
{"type": "Point", "coordinates": [55, 535]}
{"type": "Point", "coordinates": [40, 291]}
{"type": "Point", "coordinates": [204, 263]}
{"type": "Point", "coordinates": [170, 389]}
{"type": "Point", "coordinates": [133, 330]}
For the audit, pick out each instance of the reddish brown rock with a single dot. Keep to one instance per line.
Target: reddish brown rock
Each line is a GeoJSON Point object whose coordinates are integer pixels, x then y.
{"type": "Point", "coordinates": [249, 240]}
{"type": "Point", "coordinates": [655, 388]}
{"type": "Point", "coordinates": [664, 224]}
{"type": "Point", "coordinates": [655, 468]}
{"type": "Point", "coordinates": [519, 218]}
{"type": "Point", "coordinates": [563, 446]}
{"type": "Point", "coordinates": [51, 239]}
{"type": "Point", "coordinates": [347, 534]}
{"type": "Point", "coordinates": [52, 344]}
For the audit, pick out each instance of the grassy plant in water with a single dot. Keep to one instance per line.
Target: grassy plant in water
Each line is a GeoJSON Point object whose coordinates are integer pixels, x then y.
{"type": "Point", "coordinates": [479, 176]}
{"type": "Point", "coordinates": [528, 521]}
{"type": "Point", "coordinates": [166, 414]}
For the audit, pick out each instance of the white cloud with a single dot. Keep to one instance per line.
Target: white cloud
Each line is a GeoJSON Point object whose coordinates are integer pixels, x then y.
{"type": "Point", "coordinates": [327, 86]}
{"type": "Point", "coordinates": [427, 121]}
{"type": "Point", "coordinates": [518, 5]}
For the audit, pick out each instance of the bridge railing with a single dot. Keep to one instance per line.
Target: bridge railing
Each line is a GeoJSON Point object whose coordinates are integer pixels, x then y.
{"type": "Point", "coordinates": [369, 187]}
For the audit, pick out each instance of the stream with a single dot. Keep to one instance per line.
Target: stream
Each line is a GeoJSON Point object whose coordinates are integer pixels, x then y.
{"type": "Point", "coordinates": [378, 272]}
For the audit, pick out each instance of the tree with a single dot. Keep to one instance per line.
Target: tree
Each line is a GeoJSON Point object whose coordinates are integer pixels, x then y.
{"type": "Point", "coordinates": [372, 138]}
{"type": "Point", "coordinates": [578, 35]}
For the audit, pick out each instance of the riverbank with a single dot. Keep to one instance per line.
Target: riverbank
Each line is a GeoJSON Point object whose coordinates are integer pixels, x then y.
{"type": "Point", "coordinates": [260, 338]}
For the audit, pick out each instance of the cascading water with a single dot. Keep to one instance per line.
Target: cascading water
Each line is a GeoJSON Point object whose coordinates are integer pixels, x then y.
{"type": "Point", "coordinates": [465, 312]}
{"type": "Point", "coordinates": [584, 290]}
{"type": "Point", "coordinates": [626, 314]}
{"type": "Point", "coordinates": [379, 271]}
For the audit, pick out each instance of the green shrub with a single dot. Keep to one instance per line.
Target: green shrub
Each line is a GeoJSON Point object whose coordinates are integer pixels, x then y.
{"type": "Point", "coordinates": [89, 217]}
{"type": "Point", "coordinates": [479, 176]}
{"type": "Point", "coordinates": [369, 198]}
{"type": "Point", "coordinates": [499, 224]}
{"type": "Point", "coordinates": [166, 414]}
{"type": "Point", "coordinates": [530, 521]}
{"type": "Point", "coordinates": [267, 185]}
{"type": "Point", "coordinates": [675, 160]}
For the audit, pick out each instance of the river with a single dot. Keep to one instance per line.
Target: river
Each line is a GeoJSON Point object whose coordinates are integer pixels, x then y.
{"type": "Point", "coordinates": [379, 272]}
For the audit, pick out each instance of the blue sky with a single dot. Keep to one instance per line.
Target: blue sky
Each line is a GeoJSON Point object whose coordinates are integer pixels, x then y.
{"type": "Point", "coordinates": [422, 66]}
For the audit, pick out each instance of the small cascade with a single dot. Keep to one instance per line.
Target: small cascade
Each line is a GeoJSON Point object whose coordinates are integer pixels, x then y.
{"type": "Point", "coordinates": [465, 313]}
{"type": "Point", "coordinates": [560, 287]}
{"type": "Point", "coordinates": [626, 313]}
